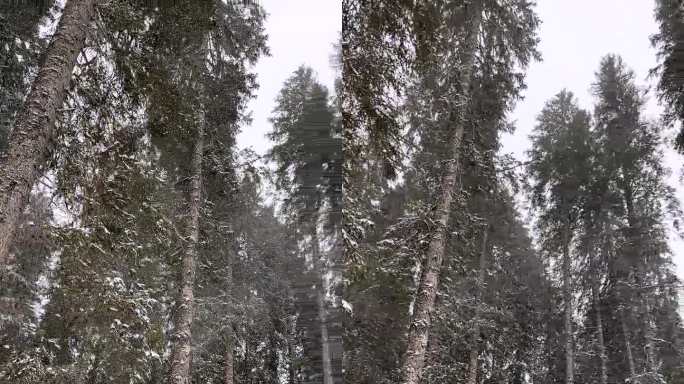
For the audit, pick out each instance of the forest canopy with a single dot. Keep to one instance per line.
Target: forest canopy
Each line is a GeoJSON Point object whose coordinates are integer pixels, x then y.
{"type": "Point", "coordinates": [382, 236]}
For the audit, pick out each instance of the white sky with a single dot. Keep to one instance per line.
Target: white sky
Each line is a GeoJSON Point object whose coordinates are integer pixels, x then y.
{"type": "Point", "coordinates": [299, 32]}
{"type": "Point", "coordinates": [574, 36]}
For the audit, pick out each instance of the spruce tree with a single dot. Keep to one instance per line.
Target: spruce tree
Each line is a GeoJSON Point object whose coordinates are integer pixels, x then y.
{"type": "Point", "coordinates": [306, 153]}
{"type": "Point", "coordinates": [560, 168]}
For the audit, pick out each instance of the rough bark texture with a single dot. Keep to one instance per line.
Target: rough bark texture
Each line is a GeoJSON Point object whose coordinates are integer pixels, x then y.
{"type": "Point", "coordinates": [650, 335]}
{"type": "Point", "coordinates": [185, 306]}
{"type": "Point", "coordinates": [567, 296]}
{"type": "Point", "coordinates": [228, 361]}
{"type": "Point", "coordinates": [31, 139]}
{"type": "Point", "coordinates": [419, 330]}
{"type": "Point", "coordinates": [291, 370]}
{"type": "Point", "coordinates": [599, 334]}
{"type": "Point", "coordinates": [325, 345]}
{"type": "Point", "coordinates": [475, 350]}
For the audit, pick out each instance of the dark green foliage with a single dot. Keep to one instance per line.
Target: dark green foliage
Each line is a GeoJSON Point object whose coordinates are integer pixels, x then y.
{"type": "Point", "coordinates": [307, 152]}
{"type": "Point", "coordinates": [560, 166]}
{"type": "Point", "coordinates": [22, 283]}
{"type": "Point", "coordinates": [307, 147]}
{"type": "Point", "coordinates": [388, 229]}
{"type": "Point", "coordinates": [639, 267]}
{"type": "Point", "coordinates": [20, 46]}
{"type": "Point", "coordinates": [669, 42]}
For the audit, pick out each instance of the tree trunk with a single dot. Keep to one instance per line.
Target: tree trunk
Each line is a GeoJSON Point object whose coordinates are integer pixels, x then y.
{"type": "Point", "coordinates": [419, 330]}
{"type": "Point", "coordinates": [649, 334]}
{"type": "Point", "coordinates": [640, 278]}
{"type": "Point", "coordinates": [228, 361]}
{"type": "Point", "coordinates": [628, 345]}
{"type": "Point", "coordinates": [474, 350]}
{"type": "Point", "coordinates": [599, 334]}
{"type": "Point", "coordinates": [325, 345]}
{"type": "Point", "coordinates": [30, 141]}
{"type": "Point", "coordinates": [567, 295]}
{"type": "Point", "coordinates": [92, 374]}
{"type": "Point", "coordinates": [182, 335]}
{"type": "Point", "coordinates": [291, 370]}
{"type": "Point", "coordinates": [327, 366]}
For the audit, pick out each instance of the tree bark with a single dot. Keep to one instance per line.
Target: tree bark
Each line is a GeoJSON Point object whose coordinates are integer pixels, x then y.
{"type": "Point", "coordinates": [291, 370]}
{"type": "Point", "coordinates": [567, 295]}
{"type": "Point", "coordinates": [327, 366]}
{"type": "Point", "coordinates": [641, 279]}
{"type": "Point", "coordinates": [419, 329]}
{"type": "Point", "coordinates": [185, 307]}
{"type": "Point", "coordinates": [649, 334]}
{"type": "Point", "coordinates": [628, 345]}
{"type": "Point", "coordinates": [33, 135]}
{"type": "Point", "coordinates": [228, 361]}
{"type": "Point", "coordinates": [475, 350]}
{"type": "Point", "coordinates": [599, 334]}
{"type": "Point", "coordinates": [325, 345]}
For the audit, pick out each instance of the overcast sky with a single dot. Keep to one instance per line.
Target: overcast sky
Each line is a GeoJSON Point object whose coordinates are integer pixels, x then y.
{"type": "Point", "coordinates": [574, 36]}
{"type": "Point", "coordinates": [299, 32]}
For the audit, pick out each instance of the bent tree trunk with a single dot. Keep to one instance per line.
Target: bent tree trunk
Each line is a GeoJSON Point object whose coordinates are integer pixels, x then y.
{"type": "Point", "coordinates": [33, 134]}
{"type": "Point", "coordinates": [185, 305]}
{"type": "Point", "coordinates": [419, 329]}
{"type": "Point", "coordinates": [474, 350]}
{"type": "Point", "coordinates": [322, 314]}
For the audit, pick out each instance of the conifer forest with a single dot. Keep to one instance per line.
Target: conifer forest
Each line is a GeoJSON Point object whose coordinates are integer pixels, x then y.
{"type": "Point", "coordinates": [341, 191]}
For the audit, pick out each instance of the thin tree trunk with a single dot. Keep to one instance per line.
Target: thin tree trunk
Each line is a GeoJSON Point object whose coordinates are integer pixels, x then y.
{"type": "Point", "coordinates": [185, 307]}
{"type": "Point", "coordinates": [567, 295]}
{"type": "Point", "coordinates": [419, 330]}
{"type": "Point", "coordinates": [599, 334]}
{"type": "Point", "coordinates": [33, 134]}
{"type": "Point", "coordinates": [649, 334]}
{"type": "Point", "coordinates": [291, 371]}
{"type": "Point", "coordinates": [628, 344]}
{"type": "Point", "coordinates": [475, 350]}
{"type": "Point", "coordinates": [228, 363]}
{"type": "Point", "coordinates": [641, 279]}
{"type": "Point", "coordinates": [92, 374]}
{"type": "Point", "coordinates": [230, 337]}
{"type": "Point", "coordinates": [325, 345]}
{"type": "Point", "coordinates": [274, 361]}
{"type": "Point", "coordinates": [327, 366]}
